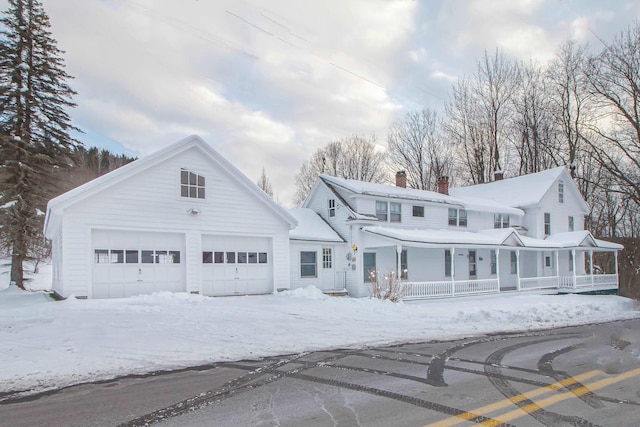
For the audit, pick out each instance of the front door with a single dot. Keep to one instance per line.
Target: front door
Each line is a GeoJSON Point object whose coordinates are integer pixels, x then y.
{"type": "Point", "coordinates": [473, 272]}
{"type": "Point", "coordinates": [369, 265]}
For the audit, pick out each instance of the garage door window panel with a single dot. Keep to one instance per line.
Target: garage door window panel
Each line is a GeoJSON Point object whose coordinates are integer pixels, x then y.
{"type": "Point", "coordinates": [231, 257]}
{"type": "Point", "coordinates": [262, 257]}
{"type": "Point", "coordinates": [131, 257]}
{"type": "Point", "coordinates": [218, 257]}
{"type": "Point", "coordinates": [253, 257]}
{"type": "Point", "coordinates": [101, 256]}
{"type": "Point", "coordinates": [117, 257]}
{"type": "Point", "coordinates": [174, 257]}
{"type": "Point", "coordinates": [207, 257]}
{"type": "Point", "coordinates": [147, 257]}
{"type": "Point", "coordinates": [242, 257]}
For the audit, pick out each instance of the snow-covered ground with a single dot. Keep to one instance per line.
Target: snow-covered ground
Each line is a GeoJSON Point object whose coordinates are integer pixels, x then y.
{"type": "Point", "coordinates": [48, 344]}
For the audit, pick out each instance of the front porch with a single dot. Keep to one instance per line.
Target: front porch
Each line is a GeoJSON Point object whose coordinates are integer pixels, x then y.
{"type": "Point", "coordinates": [502, 261]}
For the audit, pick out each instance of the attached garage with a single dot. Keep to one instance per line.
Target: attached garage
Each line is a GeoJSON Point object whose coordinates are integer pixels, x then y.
{"type": "Point", "coordinates": [180, 220]}
{"type": "Point", "coordinates": [127, 263]}
{"type": "Point", "coordinates": [236, 265]}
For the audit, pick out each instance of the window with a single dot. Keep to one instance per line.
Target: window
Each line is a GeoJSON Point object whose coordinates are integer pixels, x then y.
{"type": "Point", "coordinates": [561, 191]}
{"type": "Point", "coordinates": [231, 257]}
{"type": "Point", "coordinates": [404, 266]}
{"type": "Point", "coordinates": [458, 217]}
{"type": "Point", "coordinates": [381, 210]}
{"type": "Point", "coordinates": [218, 257]}
{"type": "Point", "coordinates": [396, 212]}
{"type": "Point", "coordinates": [147, 257]}
{"type": "Point", "coordinates": [514, 262]}
{"type": "Point", "coordinates": [462, 218]}
{"type": "Point", "coordinates": [117, 257]}
{"type": "Point", "coordinates": [453, 216]}
{"type": "Point", "coordinates": [161, 257]}
{"type": "Point", "coordinates": [308, 264]}
{"type": "Point", "coordinates": [570, 261]}
{"type": "Point", "coordinates": [494, 262]}
{"type": "Point", "coordinates": [447, 263]}
{"type": "Point", "coordinates": [174, 257]}
{"type": "Point", "coordinates": [242, 257]}
{"type": "Point", "coordinates": [207, 257]}
{"type": "Point", "coordinates": [571, 223]}
{"type": "Point", "coordinates": [191, 185]}
{"type": "Point", "coordinates": [101, 256]}
{"type": "Point", "coordinates": [369, 265]}
{"type": "Point", "coordinates": [327, 260]}
{"type": "Point", "coordinates": [501, 221]}
{"type": "Point", "coordinates": [253, 257]}
{"type": "Point", "coordinates": [131, 257]}
{"type": "Point", "coordinates": [547, 261]}
{"type": "Point", "coordinates": [332, 207]}
{"type": "Point", "coordinates": [418, 211]}
{"type": "Point", "coordinates": [547, 224]}
{"type": "Point", "coordinates": [262, 258]}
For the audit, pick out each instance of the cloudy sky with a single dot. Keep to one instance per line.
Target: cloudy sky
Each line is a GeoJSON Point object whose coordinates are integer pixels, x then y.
{"type": "Point", "coordinates": [268, 82]}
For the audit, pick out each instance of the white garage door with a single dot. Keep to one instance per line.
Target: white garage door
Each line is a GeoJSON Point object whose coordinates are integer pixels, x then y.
{"type": "Point", "coordinates": [127, 263]}
{"type": "Point", "coordinates": [233, 265]}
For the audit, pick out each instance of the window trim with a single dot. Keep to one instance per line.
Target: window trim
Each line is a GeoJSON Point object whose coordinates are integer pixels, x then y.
{"type": "Point", "coordinates": [380, 214]}
{"type": "Point", "coordinates": [395, 216]}
{"type": "Point", "coordinates": [420, 211]}
{"type": "Point", "coordinates": [547, 223]}
{"type": "Point", "coordinates": [332, 208]}
{"type": "Point", "coordinates": [458, 217]}
{"type": "Point", "coordinates": [327, 258]}
{"type": "Point", "coordinates": [308, 264]}
{"type": "Point", "coordinates": [199, 186]}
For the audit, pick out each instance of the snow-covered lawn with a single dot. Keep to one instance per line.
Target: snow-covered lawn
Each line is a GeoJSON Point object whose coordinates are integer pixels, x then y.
{"type": "Point", "coordinates": [47, 344]}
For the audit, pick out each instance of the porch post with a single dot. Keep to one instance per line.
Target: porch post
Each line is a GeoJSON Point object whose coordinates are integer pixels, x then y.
{"type": "Point", "coordinates": [518, 269]}
{"type": "Point", "coordinates": [453, 272]}
{"type": "Point", "coordinates": [498, 267]}
{"type": "Point", "coordinates": [558, 268]}
{"type": "Point", "coordinates": [399, 262]}
{"type": "Point", "coordinates": [573, 261]}
{"type": "Point", "coordinates": [591, 265]}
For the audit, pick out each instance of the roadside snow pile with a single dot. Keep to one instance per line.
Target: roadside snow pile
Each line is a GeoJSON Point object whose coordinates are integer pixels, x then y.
{"type": "Point", "coordinates": [48, 344]}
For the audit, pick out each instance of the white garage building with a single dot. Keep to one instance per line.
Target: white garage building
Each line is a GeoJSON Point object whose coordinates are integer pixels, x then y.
{"type": "Point", "coordinates": [182, 219]}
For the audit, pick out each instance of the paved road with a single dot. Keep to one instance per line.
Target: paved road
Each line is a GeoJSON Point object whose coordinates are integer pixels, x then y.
{"type": "Point", "coordinates": [582, 376]}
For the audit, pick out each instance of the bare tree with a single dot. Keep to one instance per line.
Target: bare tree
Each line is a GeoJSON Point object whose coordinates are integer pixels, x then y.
{"type": "Point", "coordinates": [479, 112]}
{"type": "Point", "coordinates": [265, 184]}
{"type": "Point", "coordinates": [417, 146]}
{"type": "Point", "coordinates": [354, 157]}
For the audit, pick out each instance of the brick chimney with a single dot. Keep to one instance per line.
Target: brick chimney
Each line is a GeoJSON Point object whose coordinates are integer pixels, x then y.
{"type": "Point", "coordinates": [443, 185]}
{"type": "Point", "coordinates": [401, 179]}
{"type": "Point", "coordinates": [498, 175]}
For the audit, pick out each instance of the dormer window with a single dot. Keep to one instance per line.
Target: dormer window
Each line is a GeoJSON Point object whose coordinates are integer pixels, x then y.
{"type": "Point", "coordinates": [560, 192]}
{"type": "Point", "coordinates": [332, 207]}
{"type": "Point", "coordinates": [382, 210]}
{"type": "Point", "coordinates": [191, 185]}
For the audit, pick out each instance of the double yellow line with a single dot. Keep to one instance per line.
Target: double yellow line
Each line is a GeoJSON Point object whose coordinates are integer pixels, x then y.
{"type": "Point", "coordinates": [520, 412]}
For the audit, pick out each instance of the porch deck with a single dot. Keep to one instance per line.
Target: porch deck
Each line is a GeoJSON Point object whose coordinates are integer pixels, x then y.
{"type": "Point", "coordinates": [562, 284]}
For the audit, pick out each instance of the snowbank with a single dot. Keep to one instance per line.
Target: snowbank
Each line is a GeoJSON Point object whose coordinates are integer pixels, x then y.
{"type": "Point", "coordinates": [48, 344]}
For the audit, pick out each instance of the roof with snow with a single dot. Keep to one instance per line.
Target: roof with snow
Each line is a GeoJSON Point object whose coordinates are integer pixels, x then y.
{"type": "Point", "coordinates": [390, 191]}
{"type": "Point", "coordinates": [312, 227]}
{"type": "Point", "coordinates": [520, 191]}
{"type": "Point", "coordinates": [491, 237]}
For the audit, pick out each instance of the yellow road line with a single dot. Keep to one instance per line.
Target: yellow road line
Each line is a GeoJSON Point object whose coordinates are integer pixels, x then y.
{"type": "Point", "coordinates": [560, 397]}
{"type": "Point", "coordinates": [515, 399]}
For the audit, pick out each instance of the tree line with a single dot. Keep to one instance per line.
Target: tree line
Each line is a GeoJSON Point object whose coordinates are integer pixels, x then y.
{"type": "Point", "coordinates": [580, 110]}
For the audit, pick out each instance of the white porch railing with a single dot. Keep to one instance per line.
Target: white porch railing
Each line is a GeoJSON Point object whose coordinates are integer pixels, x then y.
{"type": "Point", "coordinates": [418, 290]}
{"type": "Point", "coordinates": [423, 290]}
{"type": "Point", "coordinates": [587, 281]}
{"type": "Point", "coordinates": [527, 283]}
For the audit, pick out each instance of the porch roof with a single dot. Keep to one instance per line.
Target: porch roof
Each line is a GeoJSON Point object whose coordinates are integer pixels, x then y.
{"type": "Point", "coordinates": [569, 240]}
{"type": "Point", "coordinates": [437, 238]}
{"type": "Point", "coordinates": [311, 227]}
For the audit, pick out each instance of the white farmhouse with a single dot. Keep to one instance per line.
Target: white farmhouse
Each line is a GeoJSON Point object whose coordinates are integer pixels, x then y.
{"type": "Point", "coordinates": [182, 219]}
{"type": "Point", "coordinates": [511, 234]}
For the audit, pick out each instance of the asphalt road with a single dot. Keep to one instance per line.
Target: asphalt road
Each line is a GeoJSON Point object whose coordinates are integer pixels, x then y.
{"type": "Point", "coordinates": [581, 376]}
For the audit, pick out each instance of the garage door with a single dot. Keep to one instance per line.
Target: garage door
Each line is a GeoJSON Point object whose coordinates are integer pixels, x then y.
{"type": "Point", "coordinates": [127, 263]}
{"type": "Point", "coordinates": [233, 265]}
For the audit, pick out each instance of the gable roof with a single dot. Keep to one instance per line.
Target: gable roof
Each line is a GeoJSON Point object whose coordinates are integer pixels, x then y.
{"type": "Point", "coordinates": [520, 191]}
{"type": "Point", "coordinates": [390, 191]}
{"type": "Point", "coordinates": [312, 227]}
{"type": "Point", "coordinates": [74, 196]}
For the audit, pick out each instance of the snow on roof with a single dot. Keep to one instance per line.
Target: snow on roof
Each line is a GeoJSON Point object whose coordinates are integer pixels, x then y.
{"type": "Point", "coordinates": [492, 237]}
{"type": "Point", "coordinates": [608, 245]}
{"type": "Point", "coordinates": [312, 227]}
{"type": "Point", "coordinates": [468, 202]}
{"type": "Point", "coordinates": [569, 239]}
{"type": "Point", "coordinates": [520, 191]}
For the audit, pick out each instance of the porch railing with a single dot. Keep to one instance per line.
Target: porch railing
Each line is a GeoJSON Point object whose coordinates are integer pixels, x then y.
{"type": "Point", "coordinates": [586, 281]}
{"type": "Point", "coordinates": [538, 282]}
{"type": "Point", "coordinates": [417, 290]}
{"type": "Point", "coordinates": [447, 288]}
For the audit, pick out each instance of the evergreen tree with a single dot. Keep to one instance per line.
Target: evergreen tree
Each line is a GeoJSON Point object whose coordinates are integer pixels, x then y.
{"type": "Point", "coordinates": [34, 126]}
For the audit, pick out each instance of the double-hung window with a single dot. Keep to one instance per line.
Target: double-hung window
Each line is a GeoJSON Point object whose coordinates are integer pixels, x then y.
{"type": "Point", "coordinates": [447, 263]}
{"type": "Point", "coordinates": [418, 211]}
{"type": "Point", "coordinates": [457, 217]}
{"type": "Point", "coordinates": [332, 207]}
{"type": "Point", "coordinates": [501, 221]}
{"type": "Point", "coordinates": [560, 191]}
{"type": "Point", "coordinates": [571, 226]}
{"type": "Point", "coordinates": [396, 212]}
{"type": "Point", "coordinates": [547, 224]}
{"type": "Point", "coordinates": [308, 264]}
{"type": "Point", "coordinates": [382, 210]}
{"type": "Point", "coordinates": [453, 216]}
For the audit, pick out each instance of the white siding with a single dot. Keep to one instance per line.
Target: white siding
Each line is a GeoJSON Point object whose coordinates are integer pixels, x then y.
{"type": "Point", "coordinates": [150, 201]}
{"type": "Point", "coordinates": [326, 278]}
